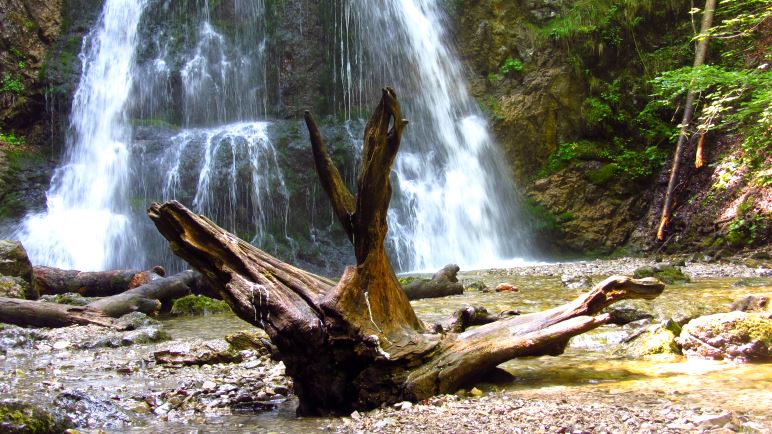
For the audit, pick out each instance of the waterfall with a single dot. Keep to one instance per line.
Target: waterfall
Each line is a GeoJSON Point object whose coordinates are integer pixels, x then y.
{"type": "Point", "coordinates": [86, 225]}
{"type": "Point", "coordinates": [453, 198]}
{"type": "Point", "coordinates": [175, 100]}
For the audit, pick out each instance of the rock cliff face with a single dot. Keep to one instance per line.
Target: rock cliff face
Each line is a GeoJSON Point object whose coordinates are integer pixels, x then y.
{"type": "Point", "coordinates": [564, 85]}
{"type": "Point", "coordinates": [28, 29]}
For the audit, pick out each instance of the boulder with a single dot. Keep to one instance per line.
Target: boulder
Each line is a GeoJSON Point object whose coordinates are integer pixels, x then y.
{"type": "Point", "coordinates": [198, 353]}
{"type": "Point", "coordinates": [14, 262]}
{"type": "Point", "coordinates": [664, 272]}
{"type": "Point", "coordinates": [752, 303]}
{"type": "Point", "coordinates": [22, 417]}
{"type": "Point", "coordinates": [193, 305]}
{"type": "Point", "coordinates": [655, 339]}
{"type": "Point", "coordinates": [738, 336]}
{"type": "Point", "coordinates": [626, 315]}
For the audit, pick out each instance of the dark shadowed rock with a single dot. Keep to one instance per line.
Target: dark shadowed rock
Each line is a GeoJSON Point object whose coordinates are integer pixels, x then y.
{"type": "Point", "coordinates": [17, 417]}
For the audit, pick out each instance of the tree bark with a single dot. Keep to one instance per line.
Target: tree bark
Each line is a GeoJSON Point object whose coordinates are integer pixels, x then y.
{"type": "Point", "coordinates": [41, 314]}
{"type": "Point", "coordinates": [699, 59]}
{"type": "Point", "coordinates": [358, 344]}
{"type": "Point", "coordinates": [51, 281]}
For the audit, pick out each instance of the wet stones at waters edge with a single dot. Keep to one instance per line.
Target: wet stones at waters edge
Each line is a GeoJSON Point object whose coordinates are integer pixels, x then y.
{"type": "Point", "coordinates": [626, 266]}
{"type": "Point", "coordinates": [535, 411]}
{"type": "Point", "coordinates": [146, 390]}
{"type": "Point", "coordinates": [90, 412]}
{"type": "Point", "coordinates": [198, 353]}
{"type": "Point", "coordinates": [752, 303]}
{"type": "Point", "coordinates": [71, 298]}
{"type": "Point", "coordinates": [22, 418]}
{"type": "Point", "coordinates": [136, 328]}
{"type": "Point", "coordinates": [625, 315]}
{"type": "Point", "coordinates": [575, 281]}
{"type": "Point", "coordinates": [737, 336]}
{"type": "Point", "coordinates": [651, 340]}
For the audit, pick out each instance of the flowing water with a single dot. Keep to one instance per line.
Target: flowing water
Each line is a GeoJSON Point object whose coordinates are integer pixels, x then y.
{"type": "Point", "coordinates": [87, 225]}
{"type": "Point", "coordinates": [591, 367]}
{"type": "Point", "coordinates": [174, 103]}
{"type": "Point", "coordinates": [453, 198]}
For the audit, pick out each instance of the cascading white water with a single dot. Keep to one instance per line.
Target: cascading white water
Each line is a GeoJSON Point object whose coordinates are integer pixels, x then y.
{"type": "Point", "coordinates": [86, 225]}
{"type": "Point", "coordinates": [238, 168]}
{"type": "Point", "coordinates": [453, 201]}
{"type": "Point", "coordinates": [193, 82]}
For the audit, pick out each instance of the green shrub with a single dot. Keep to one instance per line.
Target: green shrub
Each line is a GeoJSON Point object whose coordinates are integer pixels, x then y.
{"type": "Point", "coordinates": [511, 65]}
{"type": "Point", "coordinates": [11, 84]}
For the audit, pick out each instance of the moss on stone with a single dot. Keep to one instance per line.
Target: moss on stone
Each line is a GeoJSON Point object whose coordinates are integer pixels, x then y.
{"type": "Point", "coordinates": [602, 175]}
{"type": "Point", "coordinates": [666, 273]}
{"type": "Point", "coordinates": [20, 417]}
{"type": "Point", "coordinates": [410, 279]}
{"type": "Point", "coordinates": [198, 305]}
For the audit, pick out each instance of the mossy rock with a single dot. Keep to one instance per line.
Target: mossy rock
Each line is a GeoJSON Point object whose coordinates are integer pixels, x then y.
{"type": "Point", "coordinates": [71, 298]}
{"type": "Point", "coordinates": [739, 336]}
{"type": "Point", "coordinates": [665, 272]}
{"type": "Point", "coordinates": [192, 305]}
{"type": "Point", "coordinates": [657, 339]}
{"type": "Point", "coordinates": [17, 417]}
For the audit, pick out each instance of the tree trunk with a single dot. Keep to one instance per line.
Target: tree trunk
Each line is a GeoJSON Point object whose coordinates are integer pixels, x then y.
{"type": "Point", "coordinates": [699, 59]}
{"type": "Point", "coordinates": [41, 314]}
{"type": "Point", "coordinates": [358, 344]}
{"type": "Point", "coordinates": [147, 298]}
{"type": "Point", "coordinates": [51, 281]}
{"type": "Point", "coordinates": [442, 284]}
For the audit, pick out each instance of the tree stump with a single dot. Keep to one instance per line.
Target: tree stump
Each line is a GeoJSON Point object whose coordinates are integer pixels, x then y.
{"type": "Point", "coordinates": [357, 343]}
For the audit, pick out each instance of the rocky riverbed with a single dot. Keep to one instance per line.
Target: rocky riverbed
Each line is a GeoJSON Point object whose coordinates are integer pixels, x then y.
{"type": "Point", "coordinates": [218, 374]}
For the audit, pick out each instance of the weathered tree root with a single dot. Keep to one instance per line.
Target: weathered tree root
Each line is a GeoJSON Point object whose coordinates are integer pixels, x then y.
{"type": "Point", "coordinates": [358, 344]}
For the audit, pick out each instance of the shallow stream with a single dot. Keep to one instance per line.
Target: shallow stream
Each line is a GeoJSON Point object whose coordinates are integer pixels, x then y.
{"type": "Point", "coordinates": [589, 366]}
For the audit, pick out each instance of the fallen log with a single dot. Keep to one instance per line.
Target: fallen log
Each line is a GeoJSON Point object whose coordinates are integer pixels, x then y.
{"type": "Point", "coordinates": [52, 281]}
{"type": "Point", "coordinates": [442, 284]}
{"type": "Point", "coordinates": [41, 314]}
{"type": "Point", "coordinates": [152, 296]}
{"type": "Point", "coordinates": [357, 343]}
{"type": "Point", "coordinates": [148, 298]}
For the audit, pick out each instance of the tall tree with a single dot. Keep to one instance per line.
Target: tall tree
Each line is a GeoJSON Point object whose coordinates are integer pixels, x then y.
{"type": "Point", "coordinates": [699, 59]}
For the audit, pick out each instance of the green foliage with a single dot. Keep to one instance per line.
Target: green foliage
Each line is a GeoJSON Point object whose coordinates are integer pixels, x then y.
{"type": "Point", "coordinates": [731, 99]}
{"type": "Point", "coordinates": [11, 84]}
{"type": "Point", "coordinates": [623, 160]}
{"type": "Point", "coordinates": [543, 222]}
{"type": "Point", "coordinates": [10, 138]}
{"type": "Point", "coordinates": [511, 65]}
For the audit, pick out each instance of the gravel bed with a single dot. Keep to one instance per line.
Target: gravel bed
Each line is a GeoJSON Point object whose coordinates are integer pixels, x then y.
{"type": "Point", "coordinates": [534, 412]}
{"type": "Point", "coordinates": [627, 266]}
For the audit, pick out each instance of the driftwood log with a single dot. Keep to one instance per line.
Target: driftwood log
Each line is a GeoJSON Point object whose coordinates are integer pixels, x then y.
{"type": "Point", "coordinates": [52, 281]}
{"type": "Point", "coordinates": [358, 344]}
{"type": "Point", "coordinates": [442, 284]}
{"type": "Point", "coordinates": [147, 298]}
